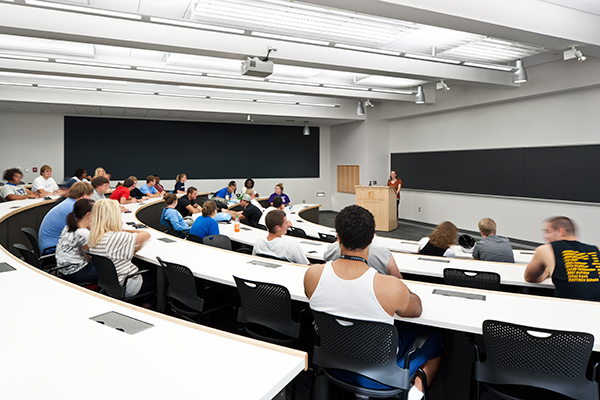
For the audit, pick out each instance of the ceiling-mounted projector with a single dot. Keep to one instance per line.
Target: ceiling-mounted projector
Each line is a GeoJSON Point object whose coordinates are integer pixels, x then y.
{"type": "Point", "coordinates": [253, 66]}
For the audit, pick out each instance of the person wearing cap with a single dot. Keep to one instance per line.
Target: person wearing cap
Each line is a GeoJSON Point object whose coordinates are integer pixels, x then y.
{"type": "Point", "coordinates": [492, 247]}
{"type": "Point", "coordinates": [250, 215]}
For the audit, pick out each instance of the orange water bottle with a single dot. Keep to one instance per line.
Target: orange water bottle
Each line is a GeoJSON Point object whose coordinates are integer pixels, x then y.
{"type": "Point", "coordinates": [236, 225]}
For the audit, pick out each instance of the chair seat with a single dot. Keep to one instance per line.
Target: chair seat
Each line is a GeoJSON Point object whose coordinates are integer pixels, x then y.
{"type": "Point", "coordinates": [374, 393]}
{"type": "Point", "coordinates": [517, 392]}
{"type": "Point", "coordinates": [265, 334]}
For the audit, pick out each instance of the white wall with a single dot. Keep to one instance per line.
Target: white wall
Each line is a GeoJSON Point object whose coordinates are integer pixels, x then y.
{"type": "Point", "coordinates": [32, 140]}
{"type": "Point", "coordinates": [560, 118]}
{"type": "Point", "coordinates": [28, 140]}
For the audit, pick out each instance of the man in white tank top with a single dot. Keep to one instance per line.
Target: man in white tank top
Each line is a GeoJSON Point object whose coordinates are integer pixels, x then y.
{"type": "Point", "coordinates": [348, 287]}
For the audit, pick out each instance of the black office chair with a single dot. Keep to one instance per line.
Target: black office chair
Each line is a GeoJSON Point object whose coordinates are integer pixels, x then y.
{"type": "Point", "coordinates": [363, 347]}
{"type": "Point", "coordinates": [186, 303]}
{"type": "Point", "coordinates": [194, 238]}
{"type": "Point", "coordinates": [525, 362]}
{"type": "Point", "coordinates": [108, 279]}
{"type": "Point", "coordinates": [265, 312]}
{"type": "Point", "coordinates": [46, 256]}
{"type": "Point", "coordinates": [32, 259]}
{"type": "Point", "coordinates": [244, 250]}
{"type": "Point", "coordinates": [220, 241]}
{"type": "Point", "coordinates": [325, 237]}
{"type": "Point", "coordinates": [261, 226]}
{"type": "Point", "coordinates": [297, 232]}
{"type": "Point", "coordinates": [472, 279]}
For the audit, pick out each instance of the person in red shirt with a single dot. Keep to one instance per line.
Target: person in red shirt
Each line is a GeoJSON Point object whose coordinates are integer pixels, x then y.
{"type": "Point", "coordinates": [122, 193]}
{"type": "Point", "coordinates": [397, 184]}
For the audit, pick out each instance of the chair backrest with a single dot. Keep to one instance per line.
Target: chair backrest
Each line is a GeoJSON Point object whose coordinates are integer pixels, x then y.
{"type": "Point", "coordinates": [28, 255]}
{"type": "Point", "coordinates": [261, 226]}
{"type": "Point", "coordinates": [107, 276]}
{"type": "Point", "coordinates": [364, 347]}
{"type": "Point", "coordinates": [195, 238]}
{"type": "Point", "coordinates": [297, 232]}
{"type": "Point", "coordinates": [32, 237]}
{"type": "Point", "coordinates": [170, 230]}
{"type": "Point", "coordinates": [244, 250]}
{"type": "Point", "coordinates": [220, 241]}
{"type": "Point", "coordinates": [182, 285]}
{"type": "Point", "coordinates": [325, 237]}
{"type": "Point", "coordinates": [472, 279]}
{"type": "Point", "coordinates": [272, 257]}
{"type": "Point", "coordinates": [542, 358]}
{"type": "Point", "coordinates": [266, 304]}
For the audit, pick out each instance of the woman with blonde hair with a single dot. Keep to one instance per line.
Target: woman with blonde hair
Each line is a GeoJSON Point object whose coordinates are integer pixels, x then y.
{"type": "Point", "coordinates": [279, 192]}
{"type": "Point", "coordinates": [439, 242]}
{"type": "Point", "coordinates": [99, 172]}
{"type": "Point", "coordinates": [107, 238]}
{"type": "Point", "coordinates": [180, 184]}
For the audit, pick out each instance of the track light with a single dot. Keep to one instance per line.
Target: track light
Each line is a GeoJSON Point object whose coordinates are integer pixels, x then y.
{"type": "Point", "coordinates": [520, 75]}
{"type": "Point", "coordinates": [442, 85]}
{"type": "Point", "coordinates": [420, 97]}
{"type": "Point", "coordinates": [306, 131]}
{"type": "Point", "coordinates": [368, 103]}
{"type": "Point", "coordinates": [250, 118]}
{"type": "Point", "coordinates": [579, 55]}
{"type": "Point", "coordinates": [360, 110]}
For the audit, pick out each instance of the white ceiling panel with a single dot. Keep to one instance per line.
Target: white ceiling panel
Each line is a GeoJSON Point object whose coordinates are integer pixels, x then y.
{"type": "Point", "coordinates": [37, 108]}
{"type": "Point", "coordinates": [177, 9]}
{"type": "Point", "coordinates": [179, 114]}
{"type": "Point", "coordinates": [9, 106]}
{"type": "Point", "coordinates": [157, 113]}
{"type": "Point", "coordinates": [112, 111]}
{"type": "Point", "coordinates": [128, 6]}
{"type": "Point", "coordinates": [135, 112]}
{"type": "Point", "coordinates": [65, 109]}
{"type": "Point", "coordinates": [88, 110]}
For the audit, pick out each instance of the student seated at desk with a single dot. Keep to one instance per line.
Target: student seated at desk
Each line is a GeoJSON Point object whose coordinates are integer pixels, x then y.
{"type": "Point", "coordinates": [180, 184]}
{"type": "Point", "coordinates": [101, 186]}
{"type": "Point", "coordinates": [492, 247]}
{"type": "Point", "coordinates": [227, 193]}
{"type": "Point", "coordinates": [439, 242]}
{"type": "Point", "coordinates": [186, 205]}
{"type": "Point", "coordinates": [275, 244]}
{"type": "Point", "coordinates": [135, 192]}
{"type": "Point", "coordinates": [158, 186]}
{"type": "Point", "coordinates": [253, 195]}
{"type": "Point", "coordinates": [76, 265]}
{"type": "Point", "coordinates": [248, 184]}
{"type": "Point", "coordinates": [379, 258]}
{"type": "Point", "coordinates": [56, 219]}
{"type": "Point", "coordinates": [348, 287]}
{"type": "Point", "coordinates": [148, 188]}
{"type": "Point", "coordinates": [122, 193]}
{"type": "Point", "coordinates": [279, 192]}
{"type": "Point", "coordinates": [572, 265]}
{"type": "Point", "coordinates": [250, 215]}
{"type": "Point", "coordinates": [170, 217]}
{"type": "Point", "coordinates": [108, 239]}
{"type": "Point", "coordinates": [13, 189]}
{"type": "Point", "coordinates": [80, 175]}
{"type": "Point", "coordinates": [45, 185]}
{"type": "Point", "coordinates": [205, 225]}
{"type": "Point", "coordinates": [276, 205]}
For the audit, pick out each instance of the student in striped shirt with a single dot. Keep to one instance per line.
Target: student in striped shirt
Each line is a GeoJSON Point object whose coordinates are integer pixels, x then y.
{"type": "Point", "coordinates": [108, 239]}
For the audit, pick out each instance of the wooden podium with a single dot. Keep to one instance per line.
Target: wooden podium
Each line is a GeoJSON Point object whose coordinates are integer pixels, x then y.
{"type": "Point", "coordinates": [381, 201]}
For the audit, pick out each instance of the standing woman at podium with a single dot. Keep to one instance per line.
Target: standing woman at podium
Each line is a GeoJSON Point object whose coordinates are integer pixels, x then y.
{"type": "Point", "coordinates": [397, 184]}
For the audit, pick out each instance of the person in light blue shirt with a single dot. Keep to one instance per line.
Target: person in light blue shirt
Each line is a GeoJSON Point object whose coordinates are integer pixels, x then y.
{"type": "Point", "coordinates": [227, 192]}
{"type": "Point", "coordinates": [148, 188]}
{"type": "Point", "coordinates": [56, 219]}
{"type": "Point", "coordinates": [205, 225]}
{"type": "Point", "coordinates": [170, 217]}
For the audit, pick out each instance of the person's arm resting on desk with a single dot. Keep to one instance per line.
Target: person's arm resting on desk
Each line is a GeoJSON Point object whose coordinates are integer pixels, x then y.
{"type": "Point", "coordinates": [541, 265]}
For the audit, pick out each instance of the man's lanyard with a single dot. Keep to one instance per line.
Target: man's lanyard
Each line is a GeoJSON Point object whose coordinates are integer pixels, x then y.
{"type": "Point", "coordinates": [353, 258]}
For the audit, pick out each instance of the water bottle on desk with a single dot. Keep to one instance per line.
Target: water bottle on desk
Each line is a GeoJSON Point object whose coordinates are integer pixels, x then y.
{"type": "Point", "coordinates": [236, 224]}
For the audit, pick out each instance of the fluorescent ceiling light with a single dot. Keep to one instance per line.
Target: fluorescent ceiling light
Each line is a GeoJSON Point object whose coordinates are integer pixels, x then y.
{"type": "Point", "coordinates": [290, 38]}
{"type": "Point", "coordinates": [47, 46]}
{"type": "Point", "coordinates": [36, 77]}
{"type": "Point", "coordinates": [292, 82]}
{"type": "Point", "coordinates": [17, 57]}
{"type": "Point", "coordinates": [182, 95]}
{"type": "Point", "coordinates": [87, 10]}
{"type": "Point", "coordinates": [229, 98]}
{"type": "Point", "coordinates": [318, 105]}
{"type": "Point", "coordinates": [506, 68]}
{"type": "Point", "coordinates": [330, 85]}
{"type": "Point", "coordinates": [66, 87]}
{"type": "Point", "coordinates": [432, 58]}
{"type": "Point", "coordinates": [398, 91]}
{"type": "Point", "coordinates": [361, 48]}
{"type": "Point", "coordinates": [275, 102]}
{"type": "Point", "coordinates": [169, 71]}
{"type": "Point", "coordinates": [126, 91]}
{"type": "Point", "coordinates": [195, 88]}
{"type": "Point", "coordinates": [196, 25]}
{"type": "Point", "coordinates": [246, 78]}
{"type": "Point", "coordinates": [16, 84]}
{"type": "Point", "coordinates": [93, 64]}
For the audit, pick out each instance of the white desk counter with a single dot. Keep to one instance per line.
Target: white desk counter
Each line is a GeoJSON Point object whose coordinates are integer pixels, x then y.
{"type": "Point", "coordinates": [51, 348]}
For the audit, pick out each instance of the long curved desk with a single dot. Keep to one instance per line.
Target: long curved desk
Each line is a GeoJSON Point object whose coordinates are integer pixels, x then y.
{"type": "Point", "coordinates": [51, 348]}
{"type": "Point", "coordinates": [458, 309]}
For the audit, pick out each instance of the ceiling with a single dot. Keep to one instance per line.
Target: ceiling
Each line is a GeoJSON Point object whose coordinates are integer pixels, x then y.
{"type": "Point", "coordinates": [180, 59]}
